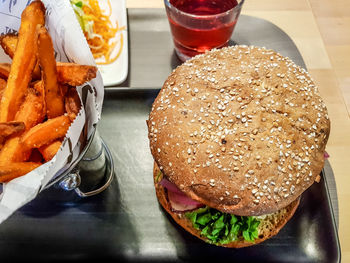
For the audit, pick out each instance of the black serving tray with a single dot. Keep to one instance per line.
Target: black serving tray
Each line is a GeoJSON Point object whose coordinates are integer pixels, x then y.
{"type": "Point", "coordinates": [125, 222]}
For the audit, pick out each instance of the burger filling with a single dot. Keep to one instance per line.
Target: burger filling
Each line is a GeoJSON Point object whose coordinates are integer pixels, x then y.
{"type": "Point", "coordinates": [223, 228]}
{"type": "Point", "coordinates": [216, 226]}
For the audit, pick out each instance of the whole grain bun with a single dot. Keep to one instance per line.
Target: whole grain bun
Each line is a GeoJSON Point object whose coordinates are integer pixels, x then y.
{"type": "Point", "coordinates": [241, 129]}
{"type": "Point", "coordinates": [269, 226]}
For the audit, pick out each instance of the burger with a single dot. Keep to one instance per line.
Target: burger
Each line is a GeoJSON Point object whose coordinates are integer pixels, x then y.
{"type": "Point", "coordinates": [237, 135]}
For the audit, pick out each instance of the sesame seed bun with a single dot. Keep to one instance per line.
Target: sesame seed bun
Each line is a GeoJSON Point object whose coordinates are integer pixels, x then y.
{"type": "Point", "coordinates": [240, 129]}
{"type": "Point", "coordinates": [269, 226]}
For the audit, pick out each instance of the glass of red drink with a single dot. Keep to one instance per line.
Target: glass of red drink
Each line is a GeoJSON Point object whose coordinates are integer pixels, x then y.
{"type": "Point", "coordinates": [201, 25]}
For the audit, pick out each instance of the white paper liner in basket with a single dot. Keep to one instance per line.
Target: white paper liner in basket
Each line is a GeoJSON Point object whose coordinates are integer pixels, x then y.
{"type": "Point", "coordinates": [70, 45]}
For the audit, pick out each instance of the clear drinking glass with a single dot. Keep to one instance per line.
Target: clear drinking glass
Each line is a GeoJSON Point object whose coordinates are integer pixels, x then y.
{"type": "Point", "coordinates": [200, 25]}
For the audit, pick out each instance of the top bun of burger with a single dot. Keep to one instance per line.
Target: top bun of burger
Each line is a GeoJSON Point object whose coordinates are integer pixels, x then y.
{"type": "Point", "coordinates": [241, 129]}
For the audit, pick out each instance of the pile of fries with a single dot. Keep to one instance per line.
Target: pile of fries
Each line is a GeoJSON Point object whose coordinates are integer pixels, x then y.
{"type": "Point", "coordinates": [39, 100]}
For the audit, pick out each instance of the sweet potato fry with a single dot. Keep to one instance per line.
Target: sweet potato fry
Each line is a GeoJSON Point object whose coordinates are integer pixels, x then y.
{"type": "Point", "coordinates": [46, 132]}
{"type": "Point", "coordinates": [49, 151]}
{"type": "Point", "coordinates": [64, 88]}
{"type": "Point", "coordinates": [72, 103]}
{"type": "Point", "coordinates": [68, 73]}
{"type": "Point", "coordinates": [23, 61]}
{"type": "Point", "coordinates": [2, 84]}
{"type": "Point", "coordinates": [13, 151]}
{"type": "Point", "coordinates": [46, 55]}
{"type": "Point", "coordinates": [10, 128]}
{"type": "Point", "coordinates": [75, 74]}
{"type": "Point", "coordinates": [13, 170]}
{"type": "Point", "coordinates": [5, 70]}
{"type": "Point", "coordinates": [2, 87]}
{"type": "Point", "coordinates": [36, 72]}
{"type": "Point", "coordinates": [32, 110]}
{"type": "Point", "coordinates": [8, 43]}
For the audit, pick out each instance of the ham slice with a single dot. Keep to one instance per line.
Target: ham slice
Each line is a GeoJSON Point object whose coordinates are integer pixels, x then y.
{"type": "Point", "coordinates": [178, 200]}
{"type": "Point", "coordinates": [326, 155]}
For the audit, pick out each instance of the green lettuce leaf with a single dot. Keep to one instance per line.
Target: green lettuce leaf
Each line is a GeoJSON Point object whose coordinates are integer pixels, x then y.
{"type": "Point", "coordinates": [79, 4]}
{"type": "Point", "coordinates": [223, 228]}
{"type": "Point", "coordinates": [86, 22]}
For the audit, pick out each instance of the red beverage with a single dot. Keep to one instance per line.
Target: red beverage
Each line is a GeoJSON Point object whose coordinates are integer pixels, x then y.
{"type": "Point", "coordinates": [200, 25]}
{"type": "Point", "coordinates": [204, 7]}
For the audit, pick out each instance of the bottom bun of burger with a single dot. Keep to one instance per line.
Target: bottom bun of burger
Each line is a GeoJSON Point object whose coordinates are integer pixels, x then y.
{"type": "Point", "coordinates": [223, 229]}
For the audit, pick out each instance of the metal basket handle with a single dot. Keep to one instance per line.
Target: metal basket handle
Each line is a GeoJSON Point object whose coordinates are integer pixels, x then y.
{"type": "Point", "coordinates": [72, 181]}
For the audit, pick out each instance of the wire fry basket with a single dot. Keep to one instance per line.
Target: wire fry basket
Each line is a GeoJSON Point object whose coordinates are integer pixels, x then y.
{"type": "Point", "coordinates": [90, 174]}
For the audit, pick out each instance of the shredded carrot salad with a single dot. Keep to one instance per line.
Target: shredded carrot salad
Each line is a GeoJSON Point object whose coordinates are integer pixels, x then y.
{"type": "Point", "coordinates": [99, 31]}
